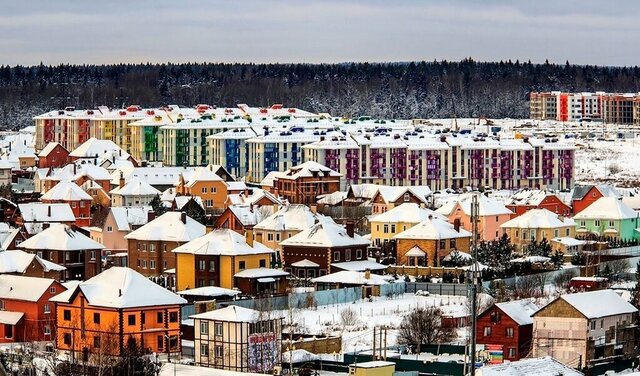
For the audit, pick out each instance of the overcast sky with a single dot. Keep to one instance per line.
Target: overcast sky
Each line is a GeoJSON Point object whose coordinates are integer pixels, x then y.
{"type": "Point", "coordinates": [83, 31]}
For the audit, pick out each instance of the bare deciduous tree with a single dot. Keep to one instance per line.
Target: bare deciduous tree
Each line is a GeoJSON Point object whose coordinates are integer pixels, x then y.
{"type": "Point", "coordinates": [348, 317]}
{"type": "Point", "coordinates": [424, 326]}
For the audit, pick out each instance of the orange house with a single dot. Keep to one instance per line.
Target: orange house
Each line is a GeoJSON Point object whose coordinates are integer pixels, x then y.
{"type": "Point", "coordinates": [26, 314]}
{"type": "Point", "coordinates": [204, 183]}
{"type": "Point", "coordinates": [100, 316]}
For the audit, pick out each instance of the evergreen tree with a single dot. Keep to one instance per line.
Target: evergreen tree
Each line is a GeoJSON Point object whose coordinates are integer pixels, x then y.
{"type": "Point", "coordinates": [158, 206]}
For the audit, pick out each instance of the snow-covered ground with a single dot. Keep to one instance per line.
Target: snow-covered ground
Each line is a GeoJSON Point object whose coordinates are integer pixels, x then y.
{"type": "Point", "coordinates": [608, 160]}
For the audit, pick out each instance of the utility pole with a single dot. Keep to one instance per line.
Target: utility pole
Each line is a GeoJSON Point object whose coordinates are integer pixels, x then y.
{"type": "Point", "coordinates": [374, 344]}
{"type": "Point", "coordinates": [473, 279]}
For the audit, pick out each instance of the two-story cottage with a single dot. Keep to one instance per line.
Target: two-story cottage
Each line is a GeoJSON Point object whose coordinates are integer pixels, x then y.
{"type": "Point", "coordinates": [491, 214]}
{"type": "Point", "coordinates": [386, 225]}
{"type": "Point", "coordinates": [527, 199]}
{"type": "Point", "coordinates": [303, 183]}
{"type": "Point", "coordinates": [608, 217]}
{"type": "Point", "coordinates": [70, 193]}
{"type": "Point", "coordinates": [538, 224]}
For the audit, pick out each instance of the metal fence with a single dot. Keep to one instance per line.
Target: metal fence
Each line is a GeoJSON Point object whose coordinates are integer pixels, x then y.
{"type": "Point", "coordinates": [454, 289]}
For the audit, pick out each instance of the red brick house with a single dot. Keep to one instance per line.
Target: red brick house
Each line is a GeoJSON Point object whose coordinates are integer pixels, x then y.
{"type": "Point", "coordinates": [302, 184]}
{"type": "Point", "coordinates": [26, 314]}
{"type": "Point", "coordinates": [241, 218]}
{"type": "Point", "coordinates": [528, 199]}
{"type": "Point", "coordinates": [78, 200]}
{"type": "Point", "coordinates": [53, 155]}
{"type": "Point", "coordinates": [509, 326]}
{"type": "Point", "coordinates": [585, 195]}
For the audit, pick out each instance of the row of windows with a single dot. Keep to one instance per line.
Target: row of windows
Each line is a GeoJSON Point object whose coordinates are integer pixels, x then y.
{"type": "Point", "coordinates": [218, 350]}
{"type": "Point", "coordinates": [131, 319]}
{"type": "Point", "coordinates": [508, 332]}
{"type": "Point", "coordinates": [347, 255]}
{"type": "Point", "coordinates": [142, 247]}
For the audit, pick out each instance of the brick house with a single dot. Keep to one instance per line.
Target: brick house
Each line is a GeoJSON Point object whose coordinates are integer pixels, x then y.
{"type": "Point", "coordinates": [26, 314]}
{"type": "Point", "coordinates": [302, 184]}
{"type": "Point", "coordinates": [53, 155]}
{"type": "Point", "coordinates": [507, 326]}
{"type": "Point", "coordinates": [78, 200]}
{"type": "Point", "coordinates": [527, 199]}
{"type": "Point", "coordinates": [18, 262]}
{"type": "Point", "coordinates": [389, 197]}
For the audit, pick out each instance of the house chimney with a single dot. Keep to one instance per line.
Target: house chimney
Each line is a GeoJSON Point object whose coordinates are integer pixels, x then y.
{"type": "Point", "coordinates": [456, 224]}
{"type": "Point", "coordinates": [367, 273]}
{"type": "Point", "coordinates": [151, 215]}
{"type": "Point", "coordinates": [121, 182]}
{"type": "Point", "coordinates": [183, 217]}
{"type": "Point", "coordinates": [350, 226]}
{"type": "Point", "coordinates": [314, 208]}
{"type": "Point", "coordinates": [49, 210]}
{"type": "Point", "coordinates": [249, 236]}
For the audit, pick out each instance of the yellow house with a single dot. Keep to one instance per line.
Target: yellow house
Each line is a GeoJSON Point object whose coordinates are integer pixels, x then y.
{"type": "Point", "coordinates": [214, 259]}
{"type": "Point", "coordinates": [204, 183]}
{"type": "Point", "coordinates": [283, 224]}
{"type": "Point", "coordinates": [394, 221]}
{"type": "Point", "coordinates": [373, 368]}
{"type": "Point", "coordinates": [538, 224]}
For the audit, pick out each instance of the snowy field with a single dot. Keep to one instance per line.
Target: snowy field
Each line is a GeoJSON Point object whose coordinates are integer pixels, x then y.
{"type": "Point", "coordinates": [617, 160]}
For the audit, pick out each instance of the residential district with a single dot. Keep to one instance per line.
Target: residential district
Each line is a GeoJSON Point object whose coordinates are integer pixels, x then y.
{"type": "Point", "coordinates": [274, 240]}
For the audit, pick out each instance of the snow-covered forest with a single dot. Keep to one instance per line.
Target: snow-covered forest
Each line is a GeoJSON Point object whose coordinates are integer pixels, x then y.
{"type": "Point", "coordinates": [391, 90]}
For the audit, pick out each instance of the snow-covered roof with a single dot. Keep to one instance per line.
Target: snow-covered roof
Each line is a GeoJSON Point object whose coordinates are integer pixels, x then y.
{"type": "Point", "coordinates": [299, 356]}
{"type": "Point", "coordinates": [155, 176]}
{"type": "Point", "coordinates": [519, 310]}
{"type": "Point", "coordinates": [230, 314]}
{"type": "Point", "coordinates": [528, 197]}
{"type": "Point", "coordinates": [261, 273]}
{"type": "Point", "coordinates": [434, 228]}
{"type": "Point", "coordinates": [254, 196]}
{"type": "Point", "coordinates": [350, 277]}
{"type": "Point", "coordinates": [66, 191]}
{"type": "Point", "coordinates": [296, 217]}
{"type": "Point", "coordinates": [607, 208]}
{"type": "Point", "coordinates": [169, 227]}
{"type": "Point", "coordinates": [135, 187]}
{"type": "Point", "coordinates": [250, 215]}
{"type": "Point", "coordinates": [359, 265]}
{"type": "Point", "coordinates": [546, 366]}
{"type": "Point", "coordinates": [127, 216]}
{"type": "Point", "coordinates": [579, 191]}
{"type": "Point", "coordinates": [5, 164]}
{"type": "Point", "coordinates": [531, 259]}
{"type": "Point", "coordinates": [74, 171]}
{"type": "Point", "coordinates": [538, 218]}
{"type": "Point", "coordinates": [23, 288]}
{"type": "Point", "coordinates": [366, 191]}
{"type": "Point", "coordinates": [181, 201]}
{"type": "Point", "coordinates": [18, 261]}
{"type": "Point", "coordinates": [210, 291]}
{"type": "Point", "coordinates": [171, 369]}
{"type": "Point", "coordinates": [222, 242]}
{"type": "Point", "coordinates": [199, 174]}
{"type": "Point", "coordinates": [486, 205]}
{"type": "Point", "coordinates": [407, 212]}
{"type": "Point", "coordinates": [103, 149]}
{"type": "Point", "coordinates": [609, 303]}
{"type": "Point", "coordinates": [308, 169]}
{"type": "Point", "coordinates": [305, 264]}
{"type": "Point", "coordinates": [60, 237]}
{"type": "Point", "coordinates": [48, 149]}
{"type": "Point", "coordinates": [462, 255]}
{"type": "Point", "coordinates": [41, 212]}
{"type": "Point", "coordinates": [374, 364]}
{"type": "Point", "coordinates": [332, 199]}
{"type": "Point", "coordinates": [326, 234]}
{"type": "Point", "coordinates": [121, 287]}
{"type": "Point", "coordinates": [393, 193]}
{"type": "Point", "coordinates": [569, 241]}
{"type": "Point", "coordinates": [10, 318]}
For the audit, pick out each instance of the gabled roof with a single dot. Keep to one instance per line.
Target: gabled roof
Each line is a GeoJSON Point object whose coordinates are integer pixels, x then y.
{"type": "Point", "coordinates": [408, 212]}
{"type": "Point", "coordinates": [181, 201]}
{"type": "Point", "coordinates": [434, 228]}
{"type": "Point", "coordinates": [394, 193]}
{"type": "Point", "coordinates": [135, 187]}
{"type": "Point", "coordinates": [23, 288]}
{"type": "Point", "coordinates": [305, 264]}
{"type": "Point", "coordinates": [66, 191]}
{"type": "Point", "coordinates": [365, 191]}
{"type": "Point", "coordinates": [222, 242]}
{"type": "Point", "coordinates": [296, 217]}
{"type": "Point", "coordinates": [579, 191]}
{"type": "Point", "coordinates": [607, 208]}
{"type": "Point", "coordinates": [211, 291]}
{"type": "Point", "coordinates": [486, 205]}
{"type": "Point", "coordinates": [121, 287]}
{"type": "Point", "coordinates": [71, 173]}
{"type": "Point", "coordinates": [250, 215]}
{"type": "Point", "coordinates": [546, 366]}
{"type": "Point", "coordinates": [127, 216]}
{"type": "Point", "coordinates": [519, 311]}
{"type": "Point", "coordinates": [49, 148]}
{"type": "Point", "coordinates": [103, 149]}
{"type": "Point", "coordinates": [325, 234]}
{"type": "Point", "coordinates": [17, 261]}
{"type": "Point", "coordinates": [169, 227]}
{"type": "Point", "coordinates": [60, 237]}
{"type": "Point", "coordinates": [531, 197]}
{"type": "Point", "coordinates": [255, 195]}
{"type": "Point", "coordinates": [308, 169]}
{"type": "Point", "coordinates": [597, 304]}
{"type": "Point", "coordinates": [538, 218]}
{"type": "Point", "coordinates": [230, 314]}
{"type": "Point", "coordinates": [199, 174]}
{"type": "Point", "coordinates": [39, 212]}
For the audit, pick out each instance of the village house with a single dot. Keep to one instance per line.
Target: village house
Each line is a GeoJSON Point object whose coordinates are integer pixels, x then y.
{"type": "Point", "coordinates": [585, 195]}
{"type": "Point", "coordinates": [507, 327]}
{"type": "Point", "coordinates": [491, 214]}
{"type": "Point", "coordinates": [241, 218]}
{"type": "Point", "coordinates": [5, 172]}
{"type": "Point", "coordinates": [102, 314]}
{"type": "Point", "coordinates": [26, 315]}
{"type": "Point", "coordinates": [430, 241]}
{"type": "Point", "coordinates": [608, 217]}
{"type": "Point", "coordinates": [283, 224]}
{"type": "Point", "coordinates": [580, 329]}
{"type": "Point", "coordinates": [69, 247]}
{"type": "Point", "coordinates": [32, 218]}
{"type": "Point", "coordinates": [527, 199]}
{"type": "Point", "coordinates": [53, 155]}
{"type": "Point", "coordinates": [119, 222]}
{"type": "Point", "coordinates": [324, 243]}
{"type": "Point", "coordinates": [18, 262]}
{"type": "Point", "coordinates": [204, 183]}
{"type": "Point", "coordinates": [238, 339]}
{"type": "Point", "coordinates": [78, 200]}
{"type": "Point", "coordinates": [386, 225]}
{"type": "Point", "coordinates": [303, 183]}
{"type": "Point", "coordinates": [135, 192]}
{"type": "Point", "coordinates": [538, 224]}
{"type": "Point", "coordinates": [150, 246]}
{"type": "Point", "coordinates": [389, 197]}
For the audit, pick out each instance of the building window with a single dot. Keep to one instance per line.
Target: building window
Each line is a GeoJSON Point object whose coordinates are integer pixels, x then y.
{"type": "Point", "coordinates": [96, 318]}
{"type": "Point", "coordinates": [96, 342]}
{"type": "Point", "coordinates": [497, 218]}
{"type": "Point", "coordinates": [452, 243]}
{"type": "Point", "coordinates": [47, 308]}
{"type": "Point", "coordinates": [219, 351]}
{"type": "Point", "coordinates": [159, 317]}
{"type": "Point", "coordinates": [270, 237]}
{"type": "Point", "coordinates": [212, 267]}
{"type": "Point", "coordinates": [611, 224]}
{"type": "Point", "coordinates": [152, 247]}
{"type": "Point", "coordinates": [93, 255]}
{"type": "Point", "coordinates": [160, 341]}
{"type": "Point", "coordinates": [173, 316]}
{"type": "Point", "coordinates": [218, 329]}
{"type": "Point", "coordinates": [336, 256]}
{"type": "Point", "coordinates": [204, 349]}
{"type": "Point", "coordinates": [596, 222]}
{"type": "Point", "coordinates": [202, 265]}
{"type": "Point", "coordinates": [347, 256]}
{"type": "Point", "coordinates": [358, 254]}
{"type": "Point", "coordinates": [406, 197]}
{"type": "Point", "coordinates": [204, 189]}
{"type": "Point", "coordinates": [487, 331]}
{"type": "Point", "coordinates": [386, 229]}
{"type": "Point", "coordinates": [131, 320]}
{"type": "Point", "coordinates": [512, 352]}
{"type": "Point", "coordinates": [47, 330]}
{"type": "Point", "coordinates": [509, 332]}
{"type": "Point", "coordinates": [67, 339]}
{"type": "Point", "coordinates": [204, 327]}
{"type": "Point", "coordinates": [66, 315]}
{"type": "Point", "coordinates": [263, 263]}
{"type": "Point", "coordinates": [152, 264]}
{"type": "Point", "coordinates": [52, 289]}
{"type": "Point", "coordinates": [241, 265]}
{"type": "Point", "coordinates": [109, 229]}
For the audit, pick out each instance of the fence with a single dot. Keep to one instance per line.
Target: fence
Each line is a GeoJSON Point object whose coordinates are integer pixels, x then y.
{"type": "Point", "coordinates": [433, 368]}
{"type": "Point", "coordinates": [454, 289]}
{"type": "Point", "coordinates": [423, 271]}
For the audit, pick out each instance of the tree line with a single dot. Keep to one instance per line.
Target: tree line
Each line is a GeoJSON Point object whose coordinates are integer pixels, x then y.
{"type": "Point", "coordinates": [436, 89]}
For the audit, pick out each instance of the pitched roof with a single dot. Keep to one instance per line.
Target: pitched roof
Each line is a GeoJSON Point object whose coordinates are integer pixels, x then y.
{"type": "Point", "coordinates": [135, 187]}
{"type": "Point", "coordinates": [223, 242]}
{"type": "Point", "coordinates": [327, 234]}
{"type": "Point", "coordinates": [230, 314]}
{"type": "Point", "coordinates": [121, 287]}
{"type": "Point", "coordinates": [359, 265]}
{"type": "Point", "coordinates": [23, 288]}
{"type": "Point", "coordinates": [607, 208]}
{"type": "Point", "coordinates": [48, 149]}
{"type": "Point", "coordinates": [393, 193]}
{"type": "Point", "coordinates": [434, 228]}
{"type": "Point", "coordinates": [579, 191]}
{"type": "Point", "coordinates": [528, 197]}
{"type": "Point", "coordinates": [18, 261]}
{"type": "Point", "coordinates": [520, 311]}
{"type": "Point", "coordinates": [60, 237]}
{"type": "Point", "coordinates": [407, 212]}
{"type": "Point", "coordinates": [538, 218]}
{"type": "Point", "coordinates": [486, 205]}
{"type": "Point", "coordinates": [199, 174]}
{"type": "Point", "coordinates": [294, 217]}
{"type": "Point", "coordinates": [308, 169]}
{"type": "Point", "coordinates": [250, 215]}
{"type": "Point", "coordinates": [546, 366]}
{"type": "Point", "coordinates": [169, 227]}
{"type": "Point", "coordinates": [211, 291]}
{"type": "Point", "coordinates": [305, 264]}
{"type": "Point", "coordinates": [40, 212]}
{"type": "Point", "coordinates": [127, 216]}
{"type": "Point", "coordinates": [609, 303]}
{"type": "Point", "coordinates": [66, 191]}
{"type": "Point", "coordinates": [261, 273]}
{"type": "Point", "coordinates": [103, 149]}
